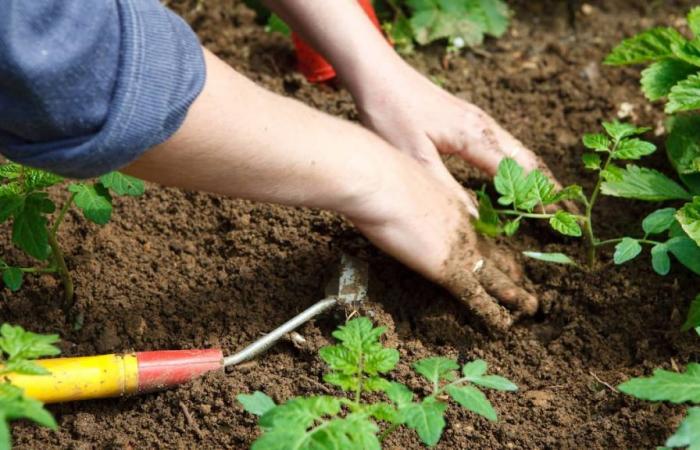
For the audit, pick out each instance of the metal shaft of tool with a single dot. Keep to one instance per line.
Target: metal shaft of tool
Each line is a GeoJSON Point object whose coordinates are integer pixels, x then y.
{"type": "Point", "coordinates": [275, 335]}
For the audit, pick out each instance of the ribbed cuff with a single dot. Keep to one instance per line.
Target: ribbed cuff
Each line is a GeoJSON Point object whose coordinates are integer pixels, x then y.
{"type": "Point", "coordinates": [161, 72]}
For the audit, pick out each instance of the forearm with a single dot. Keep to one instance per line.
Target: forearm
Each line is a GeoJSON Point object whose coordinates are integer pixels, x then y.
{"type": "Point", "coordinates": [243, 141]}
{"type": "Point", "coordinates": [342, 32]}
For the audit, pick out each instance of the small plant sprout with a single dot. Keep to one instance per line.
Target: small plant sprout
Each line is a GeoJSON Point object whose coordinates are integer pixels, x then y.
{"type": "Point", "coordinates": [360, 418]}
{"type": "Point", "coordinates": [19, 348]}
{"type": "Point", "coordinates": [531, 197]}
{"type": "Point", "coordinates": [25, 201]}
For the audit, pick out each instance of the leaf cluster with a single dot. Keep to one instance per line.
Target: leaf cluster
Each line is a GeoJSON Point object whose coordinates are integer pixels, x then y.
{"type": "Point", "coordinates": [357, 365]}
{"type": "Point", "coordinates": [19, 347]}
{"type": "Point", "coordinates": [673, 387]}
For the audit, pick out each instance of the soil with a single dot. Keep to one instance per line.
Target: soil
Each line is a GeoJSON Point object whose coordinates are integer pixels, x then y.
{"type": "Point", "coordinates": [180, 269]}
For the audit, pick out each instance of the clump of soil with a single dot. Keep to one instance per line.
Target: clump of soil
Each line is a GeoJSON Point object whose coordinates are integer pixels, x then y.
{"type": "Point", "coordinates": [183, 270]}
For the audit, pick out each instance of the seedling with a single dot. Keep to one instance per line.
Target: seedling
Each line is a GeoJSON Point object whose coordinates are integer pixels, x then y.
{"type": "Point", "coordinates": [530, 196]}
{"type": "Point", "coordinates": [675, 388]}
{"type": "Point", "coordinates": [19, 348]}
{"type": "Point", "coordinates": [24, 201]}
{"type": "Point", "coordinates": [358, 365]}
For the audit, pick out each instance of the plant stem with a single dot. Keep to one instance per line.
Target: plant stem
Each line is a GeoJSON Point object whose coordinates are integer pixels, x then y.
{"type": "Point", "coordinates": [59, 260]}
{"type": "Point", "coordinates": [62, 214]}
{"type": "Point", "coordinates": [588, 222]}
{"type": "Point", "coordinates": [513, 212]}
{"type": "Point", "coordinates": [358, 391]}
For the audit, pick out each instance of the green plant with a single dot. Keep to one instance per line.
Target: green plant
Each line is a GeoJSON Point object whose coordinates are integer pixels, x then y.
{"type": "Point", "coordinates": [358, 364]}
{"type": "Point", "coordinates": [24, 201]}
{"type": "Point", "coordinates": [19, 348]}
{"type": "Point", "coordinates": [675, 388]}
{"type": "Point", "coordinates": [530, 196]}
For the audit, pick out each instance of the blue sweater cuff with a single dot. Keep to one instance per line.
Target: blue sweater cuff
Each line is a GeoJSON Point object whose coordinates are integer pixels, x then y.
{"type": "Point", "coordinates": [161, 71]}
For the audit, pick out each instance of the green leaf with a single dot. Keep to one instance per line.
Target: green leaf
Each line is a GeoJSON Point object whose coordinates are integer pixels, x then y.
{"type": "Point", "coordinates": [596, 141]}
{"type": "Point", "coordinates": [35, 179]}
{"type": "Point", "coordinates": [688, 433]}
{"type": "Point", "coordinates": [666, 386]}
{"type": "Point", "coordinates": [693, 319]}
{"type": "Point", "coordinates": [24, 367]}
{"type": "Point", "coordinates": [694, 20]}
{"type": "Point", "coordinates": [475, 372]}
{"type": "Point", "coordinates": [381, 361]}
{"type": "Point", "coordinates": [435, 368]}
{"type": "Point", "coordinates": [399, 394]}
{"type": "Point", "coordinates": [591, 161]}
{"type": "Point", "coordinates": [649, 46]}
{"type": "Point", "coordinates": [433, 20]}
{"type": "Point", "coordinates": [683, 143]}
{"type": "Point", "coordinates": [573, 192]}
{"type": "Point", "coordinates": [257, 403]}
{"type": "Point", "coordinates": [18, 343]}
{"type": "Point", "coordinates": [510, 228]}
{"type": "Point", "coordinates": [511, 183]}
{"type": "Point", "coordinates": [123, 184]}
{"type": "Point", "coordinates": [10, 171]}
{"type": "Point", "coordinates": [659, 221]}
{"type": "Point", "coordinates": [9, 204]}
{"type": "Point", "coordinates": [642, 183]}
{"type": "Point", "coordinates": [687, 51]}
{"type": "Point", "coordinates": [475, 368]}
{"type": "Point", "coordinates": [660, 77]}
{"type": "Point", "coordinates": [626, 250]}
{"type": "Point", "coordinates": [686, 251]}
{"type": "Point", "coordinates": [427, 418]}
{"type": "Point", "coordinates": [620, 130]}
{"type": "Point", "coordinates": [94, 201]}
{"type": "Point", "coordinates": [29, 230]}
{"type": "Point", "coordinates": [473, 399]}
{"type": "Point", "coordinates": [684, 96]}
{"type": "Point", "coordinates": [633, 149]}
{"type": "Point", "coordinates": [494, 15]}
{"type": "Point", "coordinates": [540, 190]}
{"type": "Point", "coordinates": [300, 412]}
{"type": "Point", "coordinates": [12, 277]}
{"type": "Point", "coordinates": [275, 24]}
{"type": "Point", "coordinates": [660, 261]}
{"type": "Point", "coordinates": [689, 218]}
{"type": "Point", "coordinates": [565, 223]}
{"type": "Point", "coordinates": [14, 405]}
{"type": "Point", "coordinates": [400, 33]}
{"type": "Point", "coordinates": [488, 222]}
{"type": "Point", "coordinates": [558, 258]}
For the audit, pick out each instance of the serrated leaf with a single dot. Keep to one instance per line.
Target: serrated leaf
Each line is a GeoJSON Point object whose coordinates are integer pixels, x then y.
{"type": "Point", "coordinates": [633, 149]}
{"type": "Point", "coordinates": [10, 171]}
{"type": "Point", "coordinates": [300, 412]}
{"type": "Point", "coordinates": [12, 277]}
{"type": "Point", "coordinates": [494, 15]}
{"type": "Point", "coordinates": [687, 51]}
{"type": "Point", "coordinates": [24, 367]}
{"type": "Point", "coordinates": [510, 228]}
{"type": "Point", "coordinates": [666, 386]}
{"type": "Point", "coordinates": [688, 433]}
{"type": "Point", "coordinates": [649, 46]}
{"type": "Point", "coordinates": [432, 20]}
{"type": "Point", "coordinates": [475, 368]}
{"type": "Point", "coordinates": [36, 179]}
{"type": "Point", "coordinates": [693, 18]}
{"type": "Point", "coordinates": [565, 223]}
{"type": "Point", "coordinates": [659, 221]}
{"type": "Point", "coordinates": [642, 183]}
{"type": "Point", "coordinates": [658, 79]}
{"type": "Point", "coordinates": [29, 231]}
{"type": "Point", "coordinates": [660, 261]}
{"type": "Point", "coordinates": [684, 96]}
{"type": "Point", "coordinates": [596, 141]}
{"type": "Point", "coordinates": [473, 399]}
{"type": "Point", "coordinates": [626, 250]}
{"type": "Point", "coordinates": [511, 183]}
{"type": "Point", "coordinates": [620, 130]}
{"type": "Point", "coordinates": [381, 361]}
{"type": "Point", "coordinates": [18, 343]}
{"type": "Point", "coordinates": [123, 184]}
{"type": "Point", "coordinates": [686, 251]}
{"type": "Point", "coordinates": [14, 405]}
{"type": "Point", "coordinates": [399, 394]}
{"type": "Point", "coordinates": [558, 258]}
{"type": "Point", "coordinates": [475, 372]}
{"type": "Point", "coordinates": [94, 201]}
{"type": "Point", "coordinates": [427, 418]}
{"type": "Point", "coordinates": [683, 143]}
{"type": "Point", "coordinates": [540, 190]}
{"type": "Point", "coordinates": [9, 204]}
{"type": "Point", "coordinates": [693, 319]}
{"type": "Point", "coordinates": [572, 192]}
{"type": "Point", "coordinates": [435, 368]}
{"type": "Point", "coordinates": [257, 403]}
{"type": "Point", "coordinates": [689, 218]}
{"type": "Point", "coordinates": [591, 161]}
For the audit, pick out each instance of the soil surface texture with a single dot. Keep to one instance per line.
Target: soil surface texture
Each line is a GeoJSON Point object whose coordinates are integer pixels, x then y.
{"type": "Point", "coordinates": [179, 269]}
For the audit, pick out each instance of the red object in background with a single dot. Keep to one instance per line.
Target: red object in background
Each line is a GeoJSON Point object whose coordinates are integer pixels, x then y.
{"type": "Point", "coordinates": [311, 64]}
{"type": "Point", "coordinates": [163, 369]}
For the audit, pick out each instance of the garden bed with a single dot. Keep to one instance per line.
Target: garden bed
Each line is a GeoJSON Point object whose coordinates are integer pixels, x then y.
{"type": "Point", "coordinates": [178, 269]}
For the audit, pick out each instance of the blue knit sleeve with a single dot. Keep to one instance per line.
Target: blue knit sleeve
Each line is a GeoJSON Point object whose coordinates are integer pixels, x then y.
{"type": "Point", "coordinates": [87, 87]}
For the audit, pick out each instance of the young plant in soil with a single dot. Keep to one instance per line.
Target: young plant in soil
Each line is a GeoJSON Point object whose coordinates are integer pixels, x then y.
{"type": "Point", "coordinates": [677, 388]}
{"type": "Point", "coordinates": [352, 421]}
{"type": "Point", "coordinates": [19, 348]}
{"type": "Point", "coordinates": [25, 201]}
{"type": "Point", "coordinates": [531, 196]}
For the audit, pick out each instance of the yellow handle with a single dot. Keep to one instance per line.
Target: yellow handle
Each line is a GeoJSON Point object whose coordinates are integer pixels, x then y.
{"type": "Point", "coordinates": [81, 378]}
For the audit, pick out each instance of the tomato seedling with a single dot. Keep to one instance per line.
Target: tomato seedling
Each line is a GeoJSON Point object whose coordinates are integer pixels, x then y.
{"type": "Point", "coordinates": [19, 348]}
{"type": "Point", "coordinates": [357, 365]}
{"type": "Point", "coordinates": [24, 201]}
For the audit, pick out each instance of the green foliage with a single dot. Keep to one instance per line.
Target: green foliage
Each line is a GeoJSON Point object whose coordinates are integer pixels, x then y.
{"type": "Point", "coordinates": [688, 433]}
{"type": "Point", "coordinates": [649, 46]}
{"type": "Point", "coordinates": [558, 258]}
{"type": "Point", "coordinates": [19, 348]}
{"type": "Point", "coordinates": [24, 201]}
{"type": "Point", "coordinates": [693, 320]}
{"type": "Point", "coordinates": [358, 363]}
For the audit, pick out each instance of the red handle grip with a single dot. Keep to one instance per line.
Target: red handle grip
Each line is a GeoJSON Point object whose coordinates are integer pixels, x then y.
{"type": "Point", "coordinates": [167, 368]}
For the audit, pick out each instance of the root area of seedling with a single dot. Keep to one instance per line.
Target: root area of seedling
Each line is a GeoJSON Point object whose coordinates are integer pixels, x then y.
{"type": "Point", "coordinates": [186, 270]}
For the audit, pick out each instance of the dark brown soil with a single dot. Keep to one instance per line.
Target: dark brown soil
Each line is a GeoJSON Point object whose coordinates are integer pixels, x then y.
{"type": "Point", "coordinates": [183, 270]}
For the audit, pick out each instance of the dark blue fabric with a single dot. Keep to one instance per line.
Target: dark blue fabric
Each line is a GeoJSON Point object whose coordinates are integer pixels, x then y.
{"type": "Point", "coordinates": [88, 86]}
